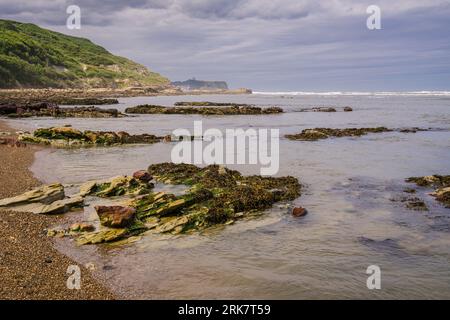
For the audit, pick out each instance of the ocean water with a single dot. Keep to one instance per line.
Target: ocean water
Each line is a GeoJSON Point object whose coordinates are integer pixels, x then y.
{"type": "Point", "coordinates": [349, 184]}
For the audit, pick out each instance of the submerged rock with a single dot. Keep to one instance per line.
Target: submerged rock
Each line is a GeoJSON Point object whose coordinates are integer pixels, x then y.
{"type": "Point", "coordinates": [441, 183]}
{"type": "Point", "coordinates": [299, 212]}
{"type": "Point", "coordinates": [221, 110]}
{"type": "Point", "coordinates": [324, 133]}
{"type": "Point", "coordinates": [70, 137]}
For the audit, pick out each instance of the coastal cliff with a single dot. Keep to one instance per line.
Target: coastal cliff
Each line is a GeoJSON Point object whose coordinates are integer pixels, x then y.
{"type": "Point", "coordinates": [33, 57]}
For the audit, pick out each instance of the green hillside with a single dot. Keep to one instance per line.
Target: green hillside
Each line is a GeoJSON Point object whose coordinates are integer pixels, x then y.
{"type": "Point", "coordinates": [34, 57]}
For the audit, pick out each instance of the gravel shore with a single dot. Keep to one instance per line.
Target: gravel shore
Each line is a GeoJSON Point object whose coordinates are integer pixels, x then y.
{"type": "Point", "coordinates": [30, 267]}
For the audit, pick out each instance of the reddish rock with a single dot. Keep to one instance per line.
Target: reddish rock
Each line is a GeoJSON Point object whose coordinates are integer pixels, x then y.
{"type": "Point", "coordinates": [142, 175]}
{"type": "Point", "coordinates": [299, 212]}
{"type": "Point", "coordinates": [115, 216]}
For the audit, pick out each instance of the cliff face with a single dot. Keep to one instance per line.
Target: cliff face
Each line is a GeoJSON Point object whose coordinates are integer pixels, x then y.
{"type": "Point", "coordinates": [193, 84]}
{"type": "Point", "coordinates": [33, 57]}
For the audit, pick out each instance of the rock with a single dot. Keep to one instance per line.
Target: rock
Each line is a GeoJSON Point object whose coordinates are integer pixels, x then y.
{"type": "Point", "coordinates": [206, 109]}
{"type": "Point", "coordinates": [348, 109]}
{"type": "Point", "coordinates": [299, 212]}
{"type": "Point", "coordinates": [45, 194]}
{"type": "Point", "coordinates": [87, 188]}
{"type": "Point", "coordinates": [115, 216]}
{"type": "Point", "coordinates": [215, 195]}
{"type": "Point", "coordinates": [57, 207]}
{"type": "Point", "coordinates": [64, 137]}
{"type": "Point", "coordinates": [142, 175]}
{"type": "Point", "coordinates": [81, 227]}
{"type": "Point", "coordinates": [108, 235]}
{"type": "Point", "coordinates": [324, 133]}
{"type": "Point", "coordinates": [173, 224]}
{"type": "Point", "coordinates": [443, 195]}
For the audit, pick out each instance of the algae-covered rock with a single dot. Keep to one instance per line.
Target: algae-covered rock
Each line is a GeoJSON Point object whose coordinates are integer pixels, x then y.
{"type": "Point", "coordinates": [102, 236]}
{"type": "Point", "coordinates": [119, 186]}
{"type": "Point", "coordinates": [216, 195]}
{"type": "Point", "coordinates": [441, 183]}
{"type": "Point", "coordinates": [228, 109]}
{"type": "Point", "coordinates": [64, 137]}
{"type": "Point", "coordinates": [324, 133]}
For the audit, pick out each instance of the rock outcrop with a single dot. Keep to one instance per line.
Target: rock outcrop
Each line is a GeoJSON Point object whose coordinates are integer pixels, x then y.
{"type": "Point", "coordinates": [70, 137]}
{"type": "Point", "coordinates": [324, 133]}
{"type": "Point", "coordinates": [215, 196]}
{"type": "Point", "coordinates": [217, 110]}
{"type": "Point", "coordinates": [441, 184]}
{"type": "Point", "coordinates": [46, 109]}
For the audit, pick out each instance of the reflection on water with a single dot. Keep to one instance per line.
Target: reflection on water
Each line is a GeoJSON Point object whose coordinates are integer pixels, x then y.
{"type": "Point", "coordinates": [349, 184]}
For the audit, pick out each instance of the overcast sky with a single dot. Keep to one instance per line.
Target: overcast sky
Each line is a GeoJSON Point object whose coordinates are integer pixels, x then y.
{"type": "Point", "coordinates": [267, 45]}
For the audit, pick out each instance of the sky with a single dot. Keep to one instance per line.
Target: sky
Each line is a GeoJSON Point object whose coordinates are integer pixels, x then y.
{"type": "Point", "coordinates": [267, 45]}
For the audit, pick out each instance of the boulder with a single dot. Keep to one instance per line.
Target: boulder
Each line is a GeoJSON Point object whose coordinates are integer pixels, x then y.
{"type": "Point", "coordinates": [115, 216]}
{"type": "Point", "coordinates": [348, 109]}
{"type": "Point", "coordinates": [142, 175]}
{"type": "Point", "coordinates": [299, 212]}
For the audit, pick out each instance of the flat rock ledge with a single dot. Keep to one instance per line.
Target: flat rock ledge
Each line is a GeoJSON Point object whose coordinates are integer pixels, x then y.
{"type": "Point", "coordinates": [325, 133]}
{"type": "Point", "coordinates": [50, 109]}
{"type": "Point", "coordinates": [204, 108]}
{"type": "Point", "coordinates": [64, 137]}
{"type": "Point", "coordinates": [215, 196]}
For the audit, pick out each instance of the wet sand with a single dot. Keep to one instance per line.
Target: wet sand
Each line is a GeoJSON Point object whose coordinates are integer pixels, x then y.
{"type": "Point", "coordinates": [30, 267]}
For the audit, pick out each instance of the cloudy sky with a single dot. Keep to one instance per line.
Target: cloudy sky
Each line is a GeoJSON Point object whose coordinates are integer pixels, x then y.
{"type": "Point", "coordinates": [270, 45]}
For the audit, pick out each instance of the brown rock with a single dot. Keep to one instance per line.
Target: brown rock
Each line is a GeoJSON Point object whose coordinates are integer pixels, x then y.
{"type": "Point", "coordinates": [115, 216]}
{"type": "Point", "coordinates": [299, 212]}
{"type": "Point", "coordinates": [348, 109]}
{"type": "Point", "coordinates": [142, 175]}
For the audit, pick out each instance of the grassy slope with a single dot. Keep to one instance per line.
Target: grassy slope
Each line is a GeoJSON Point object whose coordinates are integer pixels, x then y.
{"type": "Point", "coordinates": [34, 57]}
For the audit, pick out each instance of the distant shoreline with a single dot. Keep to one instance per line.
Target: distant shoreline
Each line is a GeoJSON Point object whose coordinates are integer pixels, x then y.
{"type": "Point", "coordinates": [39, 95]}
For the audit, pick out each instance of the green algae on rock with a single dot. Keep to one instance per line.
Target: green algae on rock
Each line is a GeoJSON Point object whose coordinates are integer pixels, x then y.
{"type": "Point", "coordinates": [70, 137]}
{"type": "Point", "coordinates": [210, 104]}
{"type": "Point", "coordinates": [117, 186]}
{"type": "Point", "coordinates": [324, 133]}
{"type": "Point", "coordinates": [46, 109]}
{"type": "Point", "coordinates": [216, 196]}
{"type": "Point", "coordinates": [221, 110]}
{"type": "Point", "coordinates": [441, 183]}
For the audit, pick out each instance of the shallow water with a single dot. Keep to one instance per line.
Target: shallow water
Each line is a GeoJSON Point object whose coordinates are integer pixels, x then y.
{"type": "Point", "coordinates": [349, 184]}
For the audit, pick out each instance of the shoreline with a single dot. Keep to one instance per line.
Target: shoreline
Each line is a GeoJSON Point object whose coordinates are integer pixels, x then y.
{"type": "Point", "coordinates": [40, 95]}
{"type": "Point", "coordinates": [37, 271]}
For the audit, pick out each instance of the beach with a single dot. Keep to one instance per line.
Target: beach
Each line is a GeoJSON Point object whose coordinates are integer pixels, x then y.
{"type": "Point", "coordinates": [30, 266]}
{"type": "Point", "coordinates": [353, 188]}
